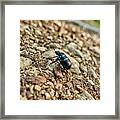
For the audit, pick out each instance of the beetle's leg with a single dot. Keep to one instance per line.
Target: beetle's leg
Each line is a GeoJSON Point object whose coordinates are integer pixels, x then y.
{"type": "Point", "coordinates": [54, 57]}
{"type": "Point", "coordinates": [50, 57]}
{"type": "Point", "coordinates": [53, 62]}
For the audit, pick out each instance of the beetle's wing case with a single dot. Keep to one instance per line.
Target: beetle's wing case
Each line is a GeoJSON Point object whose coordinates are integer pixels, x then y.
{"type": "Point", "coordinates": [65, 61]}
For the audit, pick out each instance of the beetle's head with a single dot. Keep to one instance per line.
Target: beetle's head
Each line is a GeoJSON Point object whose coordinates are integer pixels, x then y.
{"type": "Point", "coordinates": [57, 52]}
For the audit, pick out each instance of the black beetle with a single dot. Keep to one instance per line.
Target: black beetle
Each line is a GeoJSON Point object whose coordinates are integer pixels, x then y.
{"type": "Point", "coordinates": [63, 59]}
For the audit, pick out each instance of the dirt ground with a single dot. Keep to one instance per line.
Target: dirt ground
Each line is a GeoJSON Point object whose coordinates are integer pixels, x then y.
{"type": "Point", "coordinates": [41, 80]}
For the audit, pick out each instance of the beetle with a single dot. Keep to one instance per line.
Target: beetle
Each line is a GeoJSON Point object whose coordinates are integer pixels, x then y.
{"type": "Point", "coordinates": [63, 59]}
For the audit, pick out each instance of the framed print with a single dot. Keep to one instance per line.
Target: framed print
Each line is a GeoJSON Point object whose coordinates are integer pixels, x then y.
{"type": "Point", "coordinates": [60, 59]}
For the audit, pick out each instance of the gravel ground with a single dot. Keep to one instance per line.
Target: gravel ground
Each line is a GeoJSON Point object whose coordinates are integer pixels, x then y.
{"type": "Point", "coordinates": [41, 80]}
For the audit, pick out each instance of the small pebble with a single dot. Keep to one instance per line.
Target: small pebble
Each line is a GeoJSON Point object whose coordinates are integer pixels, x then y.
{"type": "Point", "coordinates": [37, 87]}
{"type": "Point", "coordinates": [47, 95]}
